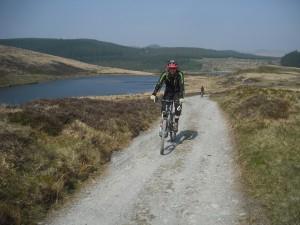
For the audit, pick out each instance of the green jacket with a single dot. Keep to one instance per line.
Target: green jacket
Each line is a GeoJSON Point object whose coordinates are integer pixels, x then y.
{"type": "Point", "coordinates": [174, 83]}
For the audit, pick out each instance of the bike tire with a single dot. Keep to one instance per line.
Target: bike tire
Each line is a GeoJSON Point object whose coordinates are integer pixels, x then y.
{"type": "Point", "coordinates": [162, 141]}
{"type": "Point", "coordinates": [171, 128]}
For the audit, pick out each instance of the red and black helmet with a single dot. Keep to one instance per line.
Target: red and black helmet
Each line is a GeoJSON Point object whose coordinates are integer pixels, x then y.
{"type": "Point", "coordinates": [172, 65]}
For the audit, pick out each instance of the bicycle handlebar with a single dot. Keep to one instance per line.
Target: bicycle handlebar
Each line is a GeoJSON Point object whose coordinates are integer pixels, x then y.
{"type": "Point", "coordinates": [167, 100]}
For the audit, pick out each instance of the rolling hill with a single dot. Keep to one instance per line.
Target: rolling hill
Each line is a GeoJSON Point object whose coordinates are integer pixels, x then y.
{"type": "Point", "coordinates": [21, 66]}
{"type": "Point", "coordinates": [109, 54]}
{"type": "Point", "coordinates": [291, 59]}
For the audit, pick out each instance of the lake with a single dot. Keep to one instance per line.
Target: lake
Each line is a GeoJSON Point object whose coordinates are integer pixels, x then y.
{"type": "Point", "coordinates": [87, 86]}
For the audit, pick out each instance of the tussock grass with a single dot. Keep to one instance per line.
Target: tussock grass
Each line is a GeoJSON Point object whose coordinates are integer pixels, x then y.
{"type": "Point", "coordinates": [48, 147]}
{"type": "Point", "coordinates": [266, 124]}
{"type": "Point", "coordinates": [260, 69]}
{"type": "Point", "coordinates": [265, 76]}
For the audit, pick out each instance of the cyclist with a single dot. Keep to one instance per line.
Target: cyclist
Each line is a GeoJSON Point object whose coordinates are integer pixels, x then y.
{"type": "Point", "coordinates": [174, 90]}
{"type": "Point", "coordinates": [202, 91]}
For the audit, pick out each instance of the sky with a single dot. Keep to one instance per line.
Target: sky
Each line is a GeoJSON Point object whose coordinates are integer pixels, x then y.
{"type": "Point", "coordinates": [242, 25]}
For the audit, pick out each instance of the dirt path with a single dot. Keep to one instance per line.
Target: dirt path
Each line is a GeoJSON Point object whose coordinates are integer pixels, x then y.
{"type": "Point", "coordinates": [194, 184]}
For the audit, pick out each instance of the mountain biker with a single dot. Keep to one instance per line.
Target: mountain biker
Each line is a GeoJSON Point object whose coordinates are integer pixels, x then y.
{"type": "Point", "coordinates": [173, 78]}
{"type": "Point", "coordinates": [202, 91]}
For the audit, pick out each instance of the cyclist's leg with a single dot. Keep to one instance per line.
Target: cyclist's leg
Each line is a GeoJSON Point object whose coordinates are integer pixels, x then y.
{"type": "Point", "coordinates": [166, 96]}
{"type": "Point", "coordinates": [178, 108]}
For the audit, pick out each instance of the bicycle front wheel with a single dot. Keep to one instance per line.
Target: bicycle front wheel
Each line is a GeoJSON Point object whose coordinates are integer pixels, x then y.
{"type": "Point", "coordinates": [163, 132]}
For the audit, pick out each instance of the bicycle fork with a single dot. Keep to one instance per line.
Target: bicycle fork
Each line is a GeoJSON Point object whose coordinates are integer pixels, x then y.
{"type": "Point", "coordinates": [163, 126]}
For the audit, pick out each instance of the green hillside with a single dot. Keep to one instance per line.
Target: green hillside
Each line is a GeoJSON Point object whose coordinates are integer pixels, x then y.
{"type": "Point", "coordinates": [109, 54]}
{"type": "Point", "coordinates": [291, 59]}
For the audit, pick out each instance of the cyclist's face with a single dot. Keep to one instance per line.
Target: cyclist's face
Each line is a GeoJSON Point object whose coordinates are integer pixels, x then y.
{"type": "Point", "coordinates": [172, 71]}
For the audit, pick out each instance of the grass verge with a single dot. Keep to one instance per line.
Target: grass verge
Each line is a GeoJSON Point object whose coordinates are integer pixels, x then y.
{"type": "Point", "coordinates": [48, 147]}
{"type": "Point", "coordinates": [266, 124]}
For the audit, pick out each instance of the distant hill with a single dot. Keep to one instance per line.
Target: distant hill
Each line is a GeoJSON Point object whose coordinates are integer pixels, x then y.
{"type": "Point", "coordinates": [20, 66]}
{"type": "Point", "coordinates": [153, 46]}
{"type": "Point", "coordinates": [109, 54]}
{"type": "Point", "coordinates": [267, 52]}
{"type": "Point", "coordinates": [291, 59]}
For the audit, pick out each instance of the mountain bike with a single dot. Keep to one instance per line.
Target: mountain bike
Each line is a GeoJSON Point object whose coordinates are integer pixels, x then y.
{"type": "Point", "coordinates": [167, 123]}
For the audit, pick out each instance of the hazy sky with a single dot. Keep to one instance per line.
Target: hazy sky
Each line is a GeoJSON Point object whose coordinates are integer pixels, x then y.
{"type": "Point", "coordinates": [219, 24]}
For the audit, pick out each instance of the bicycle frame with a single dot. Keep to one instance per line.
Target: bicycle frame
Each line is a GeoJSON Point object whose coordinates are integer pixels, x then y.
{"type": "Point", "coordinates": [169, 111]}
{"type": "Point", "coordinates": [167, 122]}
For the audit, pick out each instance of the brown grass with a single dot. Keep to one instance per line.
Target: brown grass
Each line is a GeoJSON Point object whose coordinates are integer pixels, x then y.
{"type": "Point", "coordinates": [266, 76]}
{"type": "Point", "coordinates": [260, 105]}
{"type": "Point", "coordinates": [48, 147]}
{"type": "Point", "coordinates": [266, 124]}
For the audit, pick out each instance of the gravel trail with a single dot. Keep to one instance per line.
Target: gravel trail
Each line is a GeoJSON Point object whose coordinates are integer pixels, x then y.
{"type": "Point", "coordinates": [195, 182]}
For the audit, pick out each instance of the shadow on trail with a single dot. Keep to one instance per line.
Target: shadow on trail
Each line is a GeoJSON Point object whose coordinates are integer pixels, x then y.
{"type": "Point", "coordinates": [185, 135]}
{"type": "Point", "coordinates": [180, 138]}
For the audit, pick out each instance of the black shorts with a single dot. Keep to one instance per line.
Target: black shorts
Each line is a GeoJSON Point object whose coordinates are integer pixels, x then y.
{"type": "Point", "coordinates": [175, 97]}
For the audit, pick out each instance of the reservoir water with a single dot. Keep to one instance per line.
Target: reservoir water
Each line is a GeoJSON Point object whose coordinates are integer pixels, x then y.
{"type": "Point", "coordinates": [87, 86]}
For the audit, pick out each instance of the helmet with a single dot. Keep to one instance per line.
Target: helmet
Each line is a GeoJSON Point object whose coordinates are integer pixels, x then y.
{"type": "Point", "coordinates": [172, 65]}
